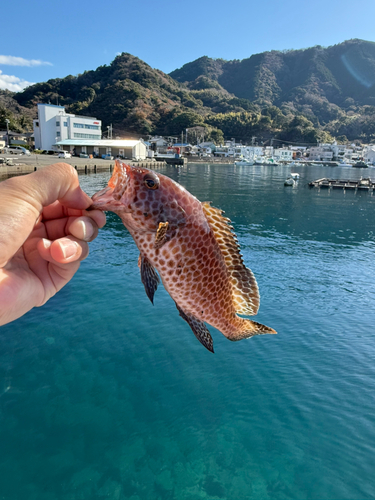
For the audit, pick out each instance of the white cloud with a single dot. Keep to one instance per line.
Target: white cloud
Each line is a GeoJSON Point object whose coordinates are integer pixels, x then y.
{"type": "Point", "coordinates": [13, 83]}
{"type": "Point", "coordinates": [20, 61]}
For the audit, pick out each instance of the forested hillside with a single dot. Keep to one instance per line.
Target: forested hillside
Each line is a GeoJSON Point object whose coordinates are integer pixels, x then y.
{"type": "Point", "coordinates": [296, 96]}
{"type": "Point", "coordinates": [332, 87]}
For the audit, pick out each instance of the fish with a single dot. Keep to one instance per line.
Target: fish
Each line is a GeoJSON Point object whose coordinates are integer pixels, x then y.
{"type": "Point", "coordinates": [191, 246]}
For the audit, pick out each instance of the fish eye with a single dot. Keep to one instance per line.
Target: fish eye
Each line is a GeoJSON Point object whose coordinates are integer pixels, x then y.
{"type": "Point", "coordinates": [151, 181]}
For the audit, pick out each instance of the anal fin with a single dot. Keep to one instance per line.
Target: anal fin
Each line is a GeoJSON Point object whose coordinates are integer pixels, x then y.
{"type": "Point", "coordinates": [199, 329]}
{"type": "Point", "coordinates": [149, 277]}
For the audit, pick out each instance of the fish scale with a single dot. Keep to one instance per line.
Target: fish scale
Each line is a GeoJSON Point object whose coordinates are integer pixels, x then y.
{"type": "Point", "coordinates": [193, 249]}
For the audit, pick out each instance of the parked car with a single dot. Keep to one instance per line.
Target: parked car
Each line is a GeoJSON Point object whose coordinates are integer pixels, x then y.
{"type": "Point", "coordinates": [64, 154]}
{"type": "Point", "coordinates": [83, 155]}
{"type": "Point", "coordinates": [107, 157]}
{"type": "Point", "coordinates": [16, 150]}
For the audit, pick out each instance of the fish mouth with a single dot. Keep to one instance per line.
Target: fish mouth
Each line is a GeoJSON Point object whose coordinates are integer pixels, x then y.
{"type": "Point", "coordinates": [109, 198]}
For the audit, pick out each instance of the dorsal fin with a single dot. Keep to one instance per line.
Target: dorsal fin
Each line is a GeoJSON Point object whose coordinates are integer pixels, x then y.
{"type": "Point", "coordinates": [244, 286]}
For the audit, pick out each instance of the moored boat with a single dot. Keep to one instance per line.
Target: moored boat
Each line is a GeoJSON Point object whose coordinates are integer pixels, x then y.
{"type": "Point", "coordinates": [244, 161]}
{"type": "Point", "coordinates": [289, 182]}
{"type": "Point", "coordinates": [360, 164]}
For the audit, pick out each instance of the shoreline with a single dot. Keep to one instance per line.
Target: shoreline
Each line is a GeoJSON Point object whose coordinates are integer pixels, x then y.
{"type": "Point", "coordinates": [25, 165]}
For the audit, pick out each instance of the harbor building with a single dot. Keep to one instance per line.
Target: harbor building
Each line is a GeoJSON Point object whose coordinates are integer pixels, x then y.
{"type": "Point", "coordinates": [54, 125]}
{"type": "Point", "coordinates": [283, 154]}
{"type": "Point", "coordinates": [129, 149]}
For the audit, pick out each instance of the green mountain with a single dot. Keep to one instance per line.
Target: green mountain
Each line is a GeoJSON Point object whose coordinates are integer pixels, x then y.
{"type": "Point", "coordinates": [305, 95]}
{"type": "Point", "coordinates": [333, 87]}
{"type": "Point", "coordinates": [20, 118]}
{"type": "Point", "coordinates": [135, 99]}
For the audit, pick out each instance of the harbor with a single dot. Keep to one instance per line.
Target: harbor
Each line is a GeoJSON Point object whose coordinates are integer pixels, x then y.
{"type": "Point", "coordinates": [88, 390]}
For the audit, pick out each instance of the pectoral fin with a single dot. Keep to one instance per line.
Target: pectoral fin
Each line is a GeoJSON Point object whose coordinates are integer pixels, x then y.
{"type": "Point", "coordinates": [161, 235]}
{"type": "Point", "coordinates": [199, 329]}
{"type": "Point", "coordinates": [149, 277]}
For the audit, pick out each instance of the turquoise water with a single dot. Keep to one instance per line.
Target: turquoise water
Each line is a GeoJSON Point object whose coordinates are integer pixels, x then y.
{"type": "Point", "coordinates": [103, 395]}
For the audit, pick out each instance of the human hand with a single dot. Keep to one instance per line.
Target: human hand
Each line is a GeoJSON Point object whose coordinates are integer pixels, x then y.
{"type": "Point", "coordinates": [44, 230]}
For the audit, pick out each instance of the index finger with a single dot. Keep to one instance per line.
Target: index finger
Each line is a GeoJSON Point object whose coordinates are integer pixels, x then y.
{"type": "Point", "coordinates": [57, 211]}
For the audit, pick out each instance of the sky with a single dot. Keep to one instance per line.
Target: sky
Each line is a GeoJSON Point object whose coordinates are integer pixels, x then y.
{"type": "Point", "coordinates": [43, 39]}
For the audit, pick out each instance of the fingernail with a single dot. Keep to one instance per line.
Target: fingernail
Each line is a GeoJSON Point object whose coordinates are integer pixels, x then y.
{"type": "Point", "coordinates": [87, 230]}
{"type": "Point", "coordinates": [46, 243]}
{"type": "Point", "coordinates": [69, 248]}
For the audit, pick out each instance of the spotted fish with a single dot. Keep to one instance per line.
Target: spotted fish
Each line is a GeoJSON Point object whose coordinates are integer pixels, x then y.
{"type": "Point", "coordinates": [191, 246]}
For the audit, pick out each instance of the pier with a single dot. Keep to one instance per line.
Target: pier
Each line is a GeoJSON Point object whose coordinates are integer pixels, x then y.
{"type": "Point", "coordinates": [362, 184]}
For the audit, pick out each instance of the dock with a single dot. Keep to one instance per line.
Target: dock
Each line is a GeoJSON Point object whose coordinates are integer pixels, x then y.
{"type": "Point", "coordinates": [362, 184]}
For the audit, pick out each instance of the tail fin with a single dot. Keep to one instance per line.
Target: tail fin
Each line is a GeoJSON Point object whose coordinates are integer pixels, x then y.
{"type": "Point", "coordinates": [249, 329]}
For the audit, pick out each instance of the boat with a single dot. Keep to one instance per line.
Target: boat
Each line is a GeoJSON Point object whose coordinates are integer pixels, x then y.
{"type": "Point", "coordinates": [267, 161]}
{"type": "Point", "coordinates": [294, 176]}
{"type": "Point", "coordinates": [360, 164]}
{"type": "Point", "coordinates": [244, 161]}
{"type": "Point", "coordinates": [289, 182]}
{"type": "Point", "coordinates": [296, 164]}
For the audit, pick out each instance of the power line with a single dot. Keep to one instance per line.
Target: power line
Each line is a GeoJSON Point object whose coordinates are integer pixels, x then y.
{"type": "Point", "coordinates": [289, 142]}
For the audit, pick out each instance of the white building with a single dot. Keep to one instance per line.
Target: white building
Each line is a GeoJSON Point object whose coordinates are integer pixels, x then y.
{"type": "Point", "coordinates": [238, 151]}
{"type": "Point", "coordinates": [322, 152]}
{"type": "Point", "coordinates": [130, 149]}
{"type": "Point", "coordinates": [283, 154]}
{"type": "Point", "coordinates": [369, 154]}
{"type": "Point", "coordinates": [54, 125]}
{"type": "Point", "coordinates": [158, 142]}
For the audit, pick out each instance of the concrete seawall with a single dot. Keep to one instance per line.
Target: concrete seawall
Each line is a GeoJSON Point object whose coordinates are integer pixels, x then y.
{"type": "Point", "coordinates": [26, 165]}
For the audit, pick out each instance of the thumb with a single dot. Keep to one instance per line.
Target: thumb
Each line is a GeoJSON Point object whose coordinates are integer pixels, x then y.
{"type": "Point", "coordinates": [56, 182]}
{"type": "Point", "coordinates": [22, 200]}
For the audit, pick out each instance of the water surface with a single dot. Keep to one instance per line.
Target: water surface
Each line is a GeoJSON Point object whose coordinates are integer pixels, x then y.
{"type": "Point", "coordinates": [103, 395]}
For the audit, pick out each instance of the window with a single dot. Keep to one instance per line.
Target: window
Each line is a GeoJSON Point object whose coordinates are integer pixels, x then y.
{"type": "Point", "coordinates": [65, 124]}
{"type": "Point", "coordinates": [87, 136]}
{"type": "Point", "coordinates": [37, 124]}
{"type": "Point", "coordinates": [84, 125]}
{"type": "Point", "coordinates": [57, 124]}
{"type": "Point", "coordinates": [58, 134]}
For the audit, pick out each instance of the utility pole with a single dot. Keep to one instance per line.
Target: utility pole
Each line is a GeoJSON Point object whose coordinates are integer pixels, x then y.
{"type": "Point", "coordinates": [7, 122]}
{"type": "Point", "coordinates": [110, 129]}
